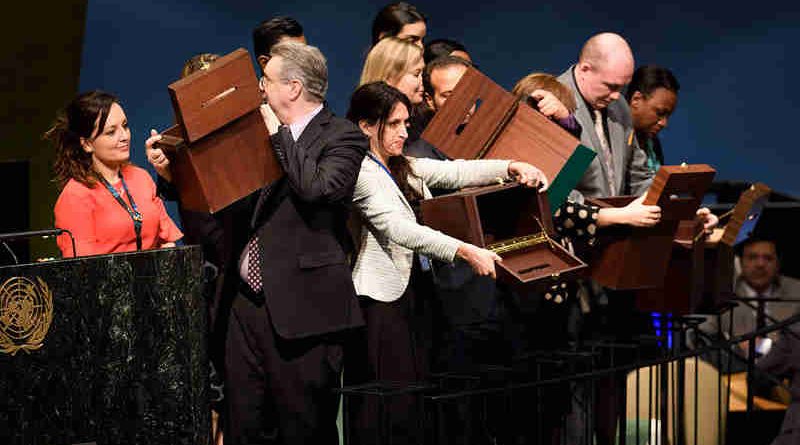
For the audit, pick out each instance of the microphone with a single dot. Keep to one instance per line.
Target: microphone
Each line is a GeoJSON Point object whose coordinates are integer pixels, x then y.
{"type": "Point", "coordinates": [11, 252]}
{"type": "Point", "coordinates": [45, 233]}
{"type": "Point", "coordinates": [31, 234]}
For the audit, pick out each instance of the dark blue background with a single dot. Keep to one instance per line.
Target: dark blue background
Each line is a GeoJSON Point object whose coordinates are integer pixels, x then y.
{"type": "Point", "coordinates": [736, 110]}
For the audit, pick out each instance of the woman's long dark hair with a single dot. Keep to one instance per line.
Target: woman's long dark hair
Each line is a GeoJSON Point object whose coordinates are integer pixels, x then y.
{"type": "Point", "coordinates": [75, 121]}
{"type": "Point", "coordinates": [391, 19]}
{"type": "Point", "coordinates": [374, 102]}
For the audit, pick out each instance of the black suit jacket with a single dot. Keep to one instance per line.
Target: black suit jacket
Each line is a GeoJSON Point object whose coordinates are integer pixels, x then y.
{"type": "Point", "coordinates": [423, 149]}
{"type": "Point", "coordinates": [300, 221]}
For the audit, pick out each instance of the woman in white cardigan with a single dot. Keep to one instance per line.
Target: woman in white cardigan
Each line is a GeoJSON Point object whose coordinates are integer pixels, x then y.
{"type": "Point", "coordinates": [393, 247]}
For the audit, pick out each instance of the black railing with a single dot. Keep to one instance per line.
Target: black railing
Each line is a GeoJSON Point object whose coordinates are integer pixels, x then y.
{"type": "Point", "coordinates": [550, 396]}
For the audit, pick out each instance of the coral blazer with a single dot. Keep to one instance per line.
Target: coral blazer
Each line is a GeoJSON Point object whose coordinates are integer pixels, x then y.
{"type": "Point", "coordinates": [100, 225]}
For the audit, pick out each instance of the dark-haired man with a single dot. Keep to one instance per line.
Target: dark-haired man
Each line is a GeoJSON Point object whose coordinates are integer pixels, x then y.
{"type": "Point", "coordinates": [439, 79]}
{"type": "Point", "coordinates": [445, 47]}
{"type": "Point", "coordinates": [760, 278]}
{"type": "Point", "coordinates": [273, 31]}
{"type": "Point", "coordinates": [266, 35]}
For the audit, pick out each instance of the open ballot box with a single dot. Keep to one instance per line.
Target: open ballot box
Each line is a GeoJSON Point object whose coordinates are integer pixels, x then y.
{"type": "Point", "coordinates": [219, 150]}
{"type": "Point", "coordinates": [510, 220]}
{"type": "Point", "coordinates": [743, 219]}
{"type": "Point", "coordinates": [700, 272]}
{"type": "Point", "coordinates": [481, 120]}
{"type": "Point", "coordinates": [745, 215]}
{"type": "Point", "coordinates": [638, 257]}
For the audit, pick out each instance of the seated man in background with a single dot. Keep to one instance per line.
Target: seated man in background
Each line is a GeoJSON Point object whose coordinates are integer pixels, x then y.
{"type": "Point", "coordinates": [758, 284]}
{"type": "Point", "coordinates": [760, 278]}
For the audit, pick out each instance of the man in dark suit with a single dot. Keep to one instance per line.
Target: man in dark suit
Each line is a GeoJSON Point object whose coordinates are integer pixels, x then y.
{"type": "Point", "coordinates": [294, 299]}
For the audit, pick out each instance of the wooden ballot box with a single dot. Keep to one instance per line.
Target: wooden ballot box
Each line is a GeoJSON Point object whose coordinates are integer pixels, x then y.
{"type": "Point", "coordinates": [511, 220]}
{"type": "Point", "coordinates": [745, 214]}
{"type": "Point", "coordinates": [638, 257]}
{"type": "Point", "coordinates": [744, 217]}
{"type": "Point", "coordinates": [683, 288]}
{"type": "Point", "coordinates": [502, 127]}
{"type": "Point", "coordinates": [219, 150]}
{"type": "Point", "coordinates": [700, 274]}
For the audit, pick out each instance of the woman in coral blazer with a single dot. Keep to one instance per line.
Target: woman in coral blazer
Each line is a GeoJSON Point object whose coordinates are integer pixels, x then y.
{"type": "Point", "coordinates": [108, 204]}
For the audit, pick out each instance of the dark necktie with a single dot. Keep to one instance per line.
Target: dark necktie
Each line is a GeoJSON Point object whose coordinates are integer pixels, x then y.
{"type": "Point", "coordinates": [254, 264]}
{"type": "Point", "coordinates": [283, 140]}
{"type": "Point", "coordinates": [761, 313]}
{"type": "Point", "coordinates": [254, 252]}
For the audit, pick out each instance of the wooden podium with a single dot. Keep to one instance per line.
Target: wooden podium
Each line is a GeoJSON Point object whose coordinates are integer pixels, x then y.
{"type": "Point", "coordinates": [220, 150]}
{"type": "Point", "coordinates": [504, 128]}
{"type": "Point", "coordinates": [106, 349]}
{"type": "Point", "coordinates": [635, 257]}
{"type": "Point", "coordinates": [511, 220]}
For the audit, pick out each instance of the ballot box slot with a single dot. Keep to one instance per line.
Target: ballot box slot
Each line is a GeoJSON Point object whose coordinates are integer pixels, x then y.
{"type": "Point", "coordinates": [533, 268]}
{"type": "Point", "coordinates": [498, 130]}
{"type": "Point", "coordinates": [219, 97]}
{"type": "Point", "coordinates": [471, 111]}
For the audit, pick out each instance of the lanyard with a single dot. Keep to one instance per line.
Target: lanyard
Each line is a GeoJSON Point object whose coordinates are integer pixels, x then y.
{"type": "Point", "coordinates": [652, 160]}
{"type": "Point", "coordinates": [425, 262]}
{"type": "Point", "coordinates": [380, 164]}
{"type": "Point", "coordinates": [132, 210]}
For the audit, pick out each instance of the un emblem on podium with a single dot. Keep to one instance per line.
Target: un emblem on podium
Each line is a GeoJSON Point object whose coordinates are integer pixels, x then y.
{"type": "Point", "coordinates": [26, 312]}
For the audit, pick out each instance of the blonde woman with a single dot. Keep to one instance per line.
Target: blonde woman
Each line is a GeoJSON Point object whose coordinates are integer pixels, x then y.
{"type": "Point", "coordinates": [399, 64]}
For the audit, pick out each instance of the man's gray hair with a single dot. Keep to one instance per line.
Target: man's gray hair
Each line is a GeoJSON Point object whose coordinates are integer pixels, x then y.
{"type": "Point", "coordinates": [304, 63]}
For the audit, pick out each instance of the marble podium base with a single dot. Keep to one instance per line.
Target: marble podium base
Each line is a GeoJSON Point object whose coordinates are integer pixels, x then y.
{"type": "Point", "coordinates": [124, 360]}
